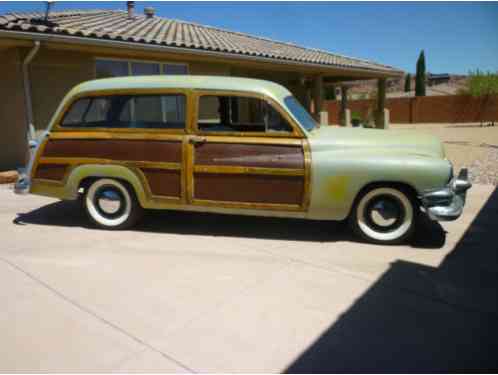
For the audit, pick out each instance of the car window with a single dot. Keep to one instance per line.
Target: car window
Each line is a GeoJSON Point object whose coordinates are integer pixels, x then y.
{"type": "Point", "coordinates": [128, 111]}
{"type": "Point", "coordinates": [300, 113]}
{"type": "Point", "coordinates": [239, 114]}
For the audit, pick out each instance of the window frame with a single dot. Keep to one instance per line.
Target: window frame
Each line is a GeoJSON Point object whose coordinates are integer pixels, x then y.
{"type": "Point", "coordinates": [197, 94]}
{"type": "Point", "coordinates": [130, 61]}
{"type": "Point", "coordinates": [137, 92]}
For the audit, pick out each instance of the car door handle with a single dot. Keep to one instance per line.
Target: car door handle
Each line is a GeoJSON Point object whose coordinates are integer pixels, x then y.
{"type": "Point", "coordinates": [195, 140]}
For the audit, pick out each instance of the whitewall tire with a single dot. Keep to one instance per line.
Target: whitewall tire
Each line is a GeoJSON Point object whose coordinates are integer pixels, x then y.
{"type": "Point", "coordinates": [109, 204]}
{"type": "Point", "coordinates": [384, 215]}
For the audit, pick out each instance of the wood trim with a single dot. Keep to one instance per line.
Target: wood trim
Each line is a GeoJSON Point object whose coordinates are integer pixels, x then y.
{"type": "Point", "coordinates": [51, 171]}
{"type": "Point", "coordinates": [307, 174]}
{"type": "Point", "coordinates": [255, 206]}
{"type": "Point", "coordinates": [115, 135]}
{"type": "Point", "coordinates": [115, 149]}
{"type": "Point", "coordinates": [163, 182]}
{"type": "Point", "coordinates": [37, 157]}
{"type": "Point", "coordinates": [248, 170]}
{"type": "Point", "coordinates": [139, 164]}
{"type": "Point", "coordinates": [253, 140]}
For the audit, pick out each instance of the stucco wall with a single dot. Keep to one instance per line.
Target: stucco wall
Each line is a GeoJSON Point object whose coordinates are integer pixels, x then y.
{"type": "Point", "coordinates": [12, 111]}
{"type": "Point", "coordinates": [53, 74]}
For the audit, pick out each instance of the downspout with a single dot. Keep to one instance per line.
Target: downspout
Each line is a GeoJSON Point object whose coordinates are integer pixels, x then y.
{"type": "Point", "coordinates": [30, 128]}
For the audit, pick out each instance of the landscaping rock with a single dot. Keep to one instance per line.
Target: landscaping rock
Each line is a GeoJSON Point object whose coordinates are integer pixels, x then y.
{"type": "Point", "coordinates": [8, 177]}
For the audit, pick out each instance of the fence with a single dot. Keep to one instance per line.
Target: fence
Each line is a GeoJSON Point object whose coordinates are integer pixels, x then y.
{"type": "Point", "coordinates": [443, 109]}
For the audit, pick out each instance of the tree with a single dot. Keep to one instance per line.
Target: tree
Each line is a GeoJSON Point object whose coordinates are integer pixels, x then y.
{"type": "Point", "coordinates": [408, 83]}
{"type": "Point", "coordinates": [484, 86]}
{"type": "Point", "coordinates": [420, 76]}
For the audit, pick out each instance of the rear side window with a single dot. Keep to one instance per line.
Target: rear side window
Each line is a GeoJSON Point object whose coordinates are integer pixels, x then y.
{"type": "Point", "coordinates": [127, 111]}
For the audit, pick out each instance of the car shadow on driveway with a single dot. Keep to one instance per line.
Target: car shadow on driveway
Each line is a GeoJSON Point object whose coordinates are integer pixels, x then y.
{"type": "Point", "coordinates": [419, 319]}
{"type": "Point", "coordinates": [430, 234]}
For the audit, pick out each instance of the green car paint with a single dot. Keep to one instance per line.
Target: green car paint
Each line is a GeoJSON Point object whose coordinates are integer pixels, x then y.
{"type": "Point", "coordinates": [343, 160]}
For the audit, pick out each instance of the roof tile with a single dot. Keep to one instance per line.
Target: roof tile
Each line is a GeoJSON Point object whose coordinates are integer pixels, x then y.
{"type": "Point", "coordinates": [115, 25]}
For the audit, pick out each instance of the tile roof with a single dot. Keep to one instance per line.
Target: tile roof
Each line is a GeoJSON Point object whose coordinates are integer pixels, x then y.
{"type": "Point", "coordinates": [115, 25]}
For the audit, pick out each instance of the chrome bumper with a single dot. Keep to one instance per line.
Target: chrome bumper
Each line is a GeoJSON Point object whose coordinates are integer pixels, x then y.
{"type": "Point", "coordinates": [447, 204]}
{"type": "Point", "coordinates": [23, 183]}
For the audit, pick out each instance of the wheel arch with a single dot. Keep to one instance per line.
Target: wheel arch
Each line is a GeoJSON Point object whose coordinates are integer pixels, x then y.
{"type": "Point", "coordinates": [83, 175]}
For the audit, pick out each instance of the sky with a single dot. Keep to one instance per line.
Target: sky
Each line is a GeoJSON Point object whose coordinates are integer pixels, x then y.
{"type": "Point", "coordinates": [456, 37]}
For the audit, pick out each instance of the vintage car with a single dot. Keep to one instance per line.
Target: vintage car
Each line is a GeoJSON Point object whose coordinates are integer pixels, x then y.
{"type": "Point", "coordinates": [234, 146]}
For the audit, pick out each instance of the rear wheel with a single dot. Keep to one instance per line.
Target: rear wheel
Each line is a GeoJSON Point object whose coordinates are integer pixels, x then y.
{"type": "Point", "coordinates": [110, 204]}
{"type": "Point", "coordinates": [384, 215]}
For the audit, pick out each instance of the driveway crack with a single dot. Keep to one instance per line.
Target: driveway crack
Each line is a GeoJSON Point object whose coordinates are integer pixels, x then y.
{"type": "Point", "coordinates": [94, 314]}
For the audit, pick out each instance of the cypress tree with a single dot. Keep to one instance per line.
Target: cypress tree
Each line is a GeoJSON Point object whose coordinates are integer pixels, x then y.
{"type": "Point", "coordinates": [420, 77]}
{"type": "Point", "coordinates": [408, 82]}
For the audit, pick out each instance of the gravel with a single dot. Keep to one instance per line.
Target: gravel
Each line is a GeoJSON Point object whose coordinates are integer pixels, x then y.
{"type": "Point", "coordinates": [485, 170]}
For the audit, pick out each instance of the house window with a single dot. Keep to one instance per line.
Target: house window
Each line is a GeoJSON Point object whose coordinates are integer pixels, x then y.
{"type": "Point", "coordinates": [120, 68]}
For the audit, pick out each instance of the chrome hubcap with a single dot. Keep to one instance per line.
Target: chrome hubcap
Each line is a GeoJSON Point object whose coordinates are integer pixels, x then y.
{"type": "Point", "coordinates": [384, 213]}
{"type": "Point", "coordinates": [109, 201]}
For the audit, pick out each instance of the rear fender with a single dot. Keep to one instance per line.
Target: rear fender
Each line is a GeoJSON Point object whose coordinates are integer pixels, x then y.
{"type": "Point", "coordinates": [131, 175]}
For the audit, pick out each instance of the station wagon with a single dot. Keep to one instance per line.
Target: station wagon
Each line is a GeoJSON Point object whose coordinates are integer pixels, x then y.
{"type": "Point", "coordinates": [235, 146]}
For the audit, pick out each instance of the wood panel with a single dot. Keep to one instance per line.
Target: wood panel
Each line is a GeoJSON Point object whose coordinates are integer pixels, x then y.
{"type": "Point", "coordinates": [249, 188]}
{"type": "Point", "coordinates": [115, 149]}
{"type": "Point", "coordinates": [249, 155]}
{"type": "Point", "coordinates": [163, 182]}
{"type": "Point", "coordinates": [54, 172]}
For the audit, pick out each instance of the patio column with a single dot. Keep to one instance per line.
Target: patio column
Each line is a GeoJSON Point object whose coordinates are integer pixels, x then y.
{"type": "Point", "coordinates": [380, 114]}
{"type": "Point", "coordinates": [345, 116]}
{"type": "Point", "coordinates": [306, 93]}
{"type": "Point", "coordinates": [318, 95]}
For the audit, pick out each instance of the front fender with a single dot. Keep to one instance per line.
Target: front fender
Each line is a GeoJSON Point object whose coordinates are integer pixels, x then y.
{"type": "Point", "coordinates": [129, 174]}
{"type": "Point", "coordinates": [338, 176]}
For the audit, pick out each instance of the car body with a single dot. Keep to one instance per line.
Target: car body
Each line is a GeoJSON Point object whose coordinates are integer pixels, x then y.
{"type": "Point", "coordinates": [235, 146]}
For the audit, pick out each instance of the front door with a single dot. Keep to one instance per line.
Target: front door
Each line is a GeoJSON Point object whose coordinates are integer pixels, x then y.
{"type": "Point", "coordinates": [245, 153]}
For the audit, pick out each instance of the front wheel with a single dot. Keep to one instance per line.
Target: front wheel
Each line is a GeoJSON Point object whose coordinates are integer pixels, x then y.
{"type": "Point", "coordinates": [109, 204]}
{"type": "Point", "coordinates": [384, 215]}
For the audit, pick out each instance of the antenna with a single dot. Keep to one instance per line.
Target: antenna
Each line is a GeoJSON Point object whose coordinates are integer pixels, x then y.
{"type": "Point", "coordinates": [44, 21]}
{"type": "Point", "coordinates": [47, 9]}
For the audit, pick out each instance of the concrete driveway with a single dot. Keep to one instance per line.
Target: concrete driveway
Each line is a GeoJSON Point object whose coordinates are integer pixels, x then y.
{"type": "Point", "coordinates": [187, 292]}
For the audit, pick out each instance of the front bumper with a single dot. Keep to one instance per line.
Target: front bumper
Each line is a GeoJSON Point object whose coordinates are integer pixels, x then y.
{"type": "Point", "coordinates": [23, 183]}
{"type": "Point", "coordinates": [447, 204]}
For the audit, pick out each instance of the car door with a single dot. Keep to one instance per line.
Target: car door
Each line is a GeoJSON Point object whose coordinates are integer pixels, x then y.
{"type": "Point", "coordinates": [245, 152]}
{"type": "Point", "coordinates": [142, 130]}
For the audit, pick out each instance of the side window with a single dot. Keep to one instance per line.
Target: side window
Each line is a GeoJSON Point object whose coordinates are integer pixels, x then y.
{"type": "Point", "coordinates": [239, 114]}
{"type": "Point", "coordinates": [74, 116]}
{"type": "Point", "coordinates": [126, 111]}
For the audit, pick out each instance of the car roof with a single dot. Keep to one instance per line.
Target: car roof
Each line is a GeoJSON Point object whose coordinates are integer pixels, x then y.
{"type": "Point", "coordinates": [257, 86]}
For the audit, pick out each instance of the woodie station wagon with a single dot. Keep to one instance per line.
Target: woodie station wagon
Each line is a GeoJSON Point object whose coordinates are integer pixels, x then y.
{"type": "Point", "coordinates": [234, 146]}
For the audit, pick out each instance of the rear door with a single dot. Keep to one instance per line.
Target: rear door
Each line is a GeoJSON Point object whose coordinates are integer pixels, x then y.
{"type": "Point", "coordinates": [245, 152]}
{"type": "Point", "coordinates": [143, 130]}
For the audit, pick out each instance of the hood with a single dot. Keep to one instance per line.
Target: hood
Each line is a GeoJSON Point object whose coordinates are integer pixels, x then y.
{"type": "Point", "coordinates": [405, 141]}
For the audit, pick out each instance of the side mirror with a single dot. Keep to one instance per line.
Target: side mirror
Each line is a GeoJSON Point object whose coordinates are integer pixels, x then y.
{"type": "Point", "coordinates": [33, 144]}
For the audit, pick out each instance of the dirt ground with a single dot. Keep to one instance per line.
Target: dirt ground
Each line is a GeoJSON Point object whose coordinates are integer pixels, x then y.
{"type": "Point", "coordinates": [467, 145]}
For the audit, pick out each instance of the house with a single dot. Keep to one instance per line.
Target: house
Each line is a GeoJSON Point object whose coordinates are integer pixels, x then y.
{"type": "Point", "coordinates": [42, 56]}
{"type": "Point", "coordinates": [437, 79]}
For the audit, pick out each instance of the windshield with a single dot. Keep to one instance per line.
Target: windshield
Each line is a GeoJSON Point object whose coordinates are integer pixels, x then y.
{"type": "Point", "coordinates": [300, 113]}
